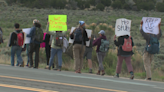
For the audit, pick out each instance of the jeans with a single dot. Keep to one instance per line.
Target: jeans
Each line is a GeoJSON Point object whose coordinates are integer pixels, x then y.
{"type": "Point", "coordinates": [34, 48]}
{"type": "Point", "coordinates": [27, 52]}
{"type": "Point", "coordinates": [16, 50]}
{"type": "Point", "coordinates": [100, 57]}
{"type": "Point", "coordinates": [59, 55]}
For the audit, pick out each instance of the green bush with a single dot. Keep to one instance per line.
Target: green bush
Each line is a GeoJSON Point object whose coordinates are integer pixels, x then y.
{"type": "Point", "coordinates": [160, 7]}
{"type": "Point", "coordinates": [100, 7]}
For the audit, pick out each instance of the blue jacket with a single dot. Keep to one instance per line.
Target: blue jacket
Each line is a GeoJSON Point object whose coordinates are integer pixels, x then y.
{"type": "Point", "coordinates": [32, 34]}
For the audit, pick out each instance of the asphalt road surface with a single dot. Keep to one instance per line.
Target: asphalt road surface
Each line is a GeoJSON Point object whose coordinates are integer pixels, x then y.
{"type": "Point", "coordinates": [16, 79]}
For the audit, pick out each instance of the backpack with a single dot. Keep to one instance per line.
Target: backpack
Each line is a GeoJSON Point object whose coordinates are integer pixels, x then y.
{"type": "Point", "coordinates": [127, 46]}
{"type": "Point", "coordinates": [104, 47]}
{"type": "Point", "coordinates": [59, 39]}
{"type": "Point", "coordinates": [38, 35]}
{"type": "Point", "coordinates": [1, 36]}
{"type": "Point", "coordinates": [78, 35]}
{"type": "Point", "coordinates": [20, 39]}
{"type": "Point", "coordinates": [153, 46]}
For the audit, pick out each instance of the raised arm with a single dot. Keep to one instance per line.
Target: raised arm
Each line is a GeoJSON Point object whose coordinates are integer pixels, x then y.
{"type": "Point", "coordinates": [47, 30]}
{"type": "Point", "coordinates": [145, 35]}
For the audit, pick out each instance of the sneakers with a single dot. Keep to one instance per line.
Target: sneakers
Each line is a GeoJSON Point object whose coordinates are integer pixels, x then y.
{"type": "Point", "coordinates": [30, 66]}
{"type": "Point", "coordinates": [103, 73]}
{"type": "Point", "coordinates": [116, 76]}
{"type": "Point", "coordinates": [148, 79]}
{"type": "Point", "coordinates": [132, 77]}
{"type": "Point", "coordinates": [90, 70]}
{"type": "Point", "coordinates": [98, 73]}
{"type": "Point", "coordinates": [78, 71]}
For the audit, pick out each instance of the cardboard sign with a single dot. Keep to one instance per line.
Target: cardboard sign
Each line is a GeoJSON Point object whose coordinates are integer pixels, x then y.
{"type": "Point", "coordinates": [122, 27]}
{"type": "Point", "coordinates": [27, 39]}
{"type": "Point", "coordinates": [57, 22]}
{"type": "Point", "coordinates": [89, 33]}
{"type": "Point", "coordinates": [150, 25]}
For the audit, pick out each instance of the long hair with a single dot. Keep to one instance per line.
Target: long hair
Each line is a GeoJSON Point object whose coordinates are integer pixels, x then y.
{"type": "Point", "coordinates": [37, 25]}
{"type": "Point", "coordinates": [1, 29]}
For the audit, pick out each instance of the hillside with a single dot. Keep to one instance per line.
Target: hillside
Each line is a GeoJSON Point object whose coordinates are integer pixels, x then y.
{"type": "Point", "coordinates": [12, 14]}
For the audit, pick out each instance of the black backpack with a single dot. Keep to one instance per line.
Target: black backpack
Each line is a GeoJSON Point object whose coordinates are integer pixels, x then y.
{"type": "Point", "coordinates": [78, 35]}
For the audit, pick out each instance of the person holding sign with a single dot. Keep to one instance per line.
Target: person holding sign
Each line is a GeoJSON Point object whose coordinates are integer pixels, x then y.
{"type": "Point", "coordinates": [80, 37]}
{"type": "Point", "coordinates": [88, 54]}
{"type": "Point", "coordinates": [56, 47]}
{"type": "Point", "coordinates": [152, 47]}
{"type": "Point", "coordinates": [124, 44]}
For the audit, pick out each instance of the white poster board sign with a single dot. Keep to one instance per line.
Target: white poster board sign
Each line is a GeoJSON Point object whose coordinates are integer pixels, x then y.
{"type": "Point", "coordinates": [122, 27]}
{"type": "Point", "coordinates": [89, 33]}
{"type": "Point", "coordinates": [150, 25]}
{"type": "Point", "coordinates": [27, 39]}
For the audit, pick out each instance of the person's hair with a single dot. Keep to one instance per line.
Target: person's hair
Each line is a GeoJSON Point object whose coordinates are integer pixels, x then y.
{"type": "Point", "coordinates": [16, 25]}
{"type": "Point", "coordinates": [1, 29]}
{"type": "Point", "coordinates": [37, 25]}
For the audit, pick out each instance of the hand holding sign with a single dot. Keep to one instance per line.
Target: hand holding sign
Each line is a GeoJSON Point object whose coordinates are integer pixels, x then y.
{"type": "Point", "coordinates": [151, 25]}
{"type": "Point", "coordinates": [122, 27]}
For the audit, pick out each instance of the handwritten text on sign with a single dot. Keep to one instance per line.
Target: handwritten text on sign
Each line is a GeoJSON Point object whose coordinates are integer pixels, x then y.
{"type": "Point", "coordinates": [57, 22]}
{"type": "Point", "coordinates": [150, 25]}
{"type": "Point", "coordinates": [122, 27]}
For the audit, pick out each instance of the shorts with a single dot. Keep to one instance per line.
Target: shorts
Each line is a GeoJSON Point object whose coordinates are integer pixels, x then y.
{"type": "Point", "coordinates": [88, 53]}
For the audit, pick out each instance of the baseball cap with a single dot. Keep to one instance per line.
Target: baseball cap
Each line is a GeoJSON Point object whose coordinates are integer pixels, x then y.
{"type": "Point", "coordinates": [102, 32]}
{"type": "Point", "coordinates": [81, 22]}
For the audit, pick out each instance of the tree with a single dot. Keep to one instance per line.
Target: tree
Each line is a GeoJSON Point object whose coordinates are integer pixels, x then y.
{"type": "Point", "coordinates": [100, 6]}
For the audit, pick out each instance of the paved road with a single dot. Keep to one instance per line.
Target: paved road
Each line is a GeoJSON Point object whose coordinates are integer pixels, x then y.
{"type": "Point", "coordinates": [16, 79]}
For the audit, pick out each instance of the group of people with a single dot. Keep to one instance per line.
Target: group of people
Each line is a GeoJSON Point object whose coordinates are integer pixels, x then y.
{"type": "Point", "coordinates": [56, 44]}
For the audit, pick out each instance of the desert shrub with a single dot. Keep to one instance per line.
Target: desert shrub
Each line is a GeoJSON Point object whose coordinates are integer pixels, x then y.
{"type": "Point", "coordinates": [160, 7]}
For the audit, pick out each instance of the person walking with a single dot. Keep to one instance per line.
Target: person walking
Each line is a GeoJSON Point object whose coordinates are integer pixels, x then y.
{"type": "Point", "coordinates": [16, 43]}
{"type": "Point", "coordinates": [124, 44]}
{"type": "Point", "coordinates": [100, 55]}
{"type": "Point", "coordinates": [88, 54]}
{"type": "Point", "coordinates": [148, 54]}
{"type": "Point", "coordinates": [36, 35]}
{"type": "Point", "coordinates": [56, 47]}
{"type": "Point", "coordinates": [80, 37]}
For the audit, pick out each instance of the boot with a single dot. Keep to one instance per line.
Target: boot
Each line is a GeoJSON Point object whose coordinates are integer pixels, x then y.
{"type": "Point", "coordinates": [103, 73]}
{"type": "Point", "coordinates": [98, 73]}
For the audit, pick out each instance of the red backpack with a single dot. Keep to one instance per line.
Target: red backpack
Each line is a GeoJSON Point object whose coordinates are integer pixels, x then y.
{"type": "Point", "coordinates": [127, 46]}
{"type": "Point", "coordinates": [20, 39]}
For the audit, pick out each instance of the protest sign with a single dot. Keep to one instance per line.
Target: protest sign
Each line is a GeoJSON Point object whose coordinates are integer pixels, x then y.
{"type": "Point", "coordinates": [122, 27]}
{"type": "Point", "coordinates": [57, 22]}
{"type": "Point", "coordinates": [150, 25]}
{"type": "Point", "coordinates": [89, 33]}
{"type": "Point", "coordinates": [27, 39]}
